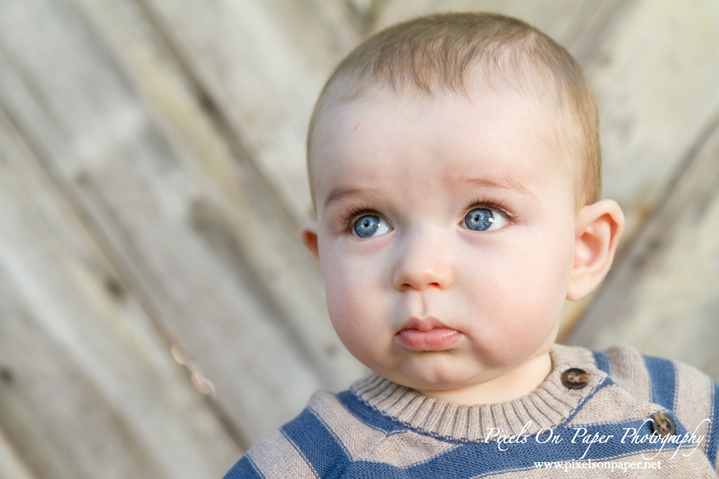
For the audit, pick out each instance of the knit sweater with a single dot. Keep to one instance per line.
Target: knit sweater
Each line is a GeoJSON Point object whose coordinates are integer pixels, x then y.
{"type": "Point", "coordinates": [379, 429]}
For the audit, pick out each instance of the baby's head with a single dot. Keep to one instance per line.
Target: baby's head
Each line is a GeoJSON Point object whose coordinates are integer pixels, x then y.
{"type": "Point", "coordinates": [454, 165]}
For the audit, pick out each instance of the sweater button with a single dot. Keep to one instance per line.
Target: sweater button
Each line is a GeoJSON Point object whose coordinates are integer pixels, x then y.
{"type": "Point", "coordinates": [575, 378]}
{"type": "Point", "coordinates": [663, 425]}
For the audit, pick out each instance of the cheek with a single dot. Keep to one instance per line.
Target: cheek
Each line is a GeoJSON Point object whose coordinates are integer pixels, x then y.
{"type": "Point", "coordinates": [518, 292]}
{"type": "Point", "coordinates": [347, 282]}
{"type": "Point", "coordinates": [529, 269]}
{"type": "Point", "coordinates": [354, 303]}
{"type": "Point", "coordinates": [547, 279]}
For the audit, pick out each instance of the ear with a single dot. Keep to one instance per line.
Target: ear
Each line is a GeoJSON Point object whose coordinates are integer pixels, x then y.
{"type": "Point", "coordinates": [598, 229]}
{"type": "Point", "coordinates": [309, 237]}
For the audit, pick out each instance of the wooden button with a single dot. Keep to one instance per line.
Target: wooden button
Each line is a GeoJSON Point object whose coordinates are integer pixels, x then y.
{"type": "Point", "coordinates": [575, 378]}
{"type": "Point", "coordinates": [663, 424]}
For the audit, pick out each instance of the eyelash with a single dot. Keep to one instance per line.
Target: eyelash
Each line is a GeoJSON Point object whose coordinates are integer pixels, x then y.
{"type": "Point", "coordinates": [354, 213]}
{"type": "Point", "coordinates": [360, 210]}
{"type": "Point", "coordinates": [499, 206]}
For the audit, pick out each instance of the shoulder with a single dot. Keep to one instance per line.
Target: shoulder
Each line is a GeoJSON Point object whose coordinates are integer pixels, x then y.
{"type": "Point", "coordinates": [668, 383]}
{"type": "Point", "coordinates": [320, 442]}
{"type": "Point", "coordinates": [690, 395]}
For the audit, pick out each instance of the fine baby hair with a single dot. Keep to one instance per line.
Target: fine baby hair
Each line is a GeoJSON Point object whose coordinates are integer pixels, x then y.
{"type": "Point", "coordinates": [448, 52]}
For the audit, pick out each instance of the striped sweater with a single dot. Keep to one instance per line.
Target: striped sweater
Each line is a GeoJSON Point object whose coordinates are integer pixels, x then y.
{"type": "Point", "coordinates": [379, 429]}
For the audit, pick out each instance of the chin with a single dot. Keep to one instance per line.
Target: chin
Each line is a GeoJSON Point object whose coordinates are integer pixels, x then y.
{"type": "Point", "coordinates": [437, 375]}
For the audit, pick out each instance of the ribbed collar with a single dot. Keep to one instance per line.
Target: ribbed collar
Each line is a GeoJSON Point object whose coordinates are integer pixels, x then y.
{"type": "Point", "coordinates": [547, 406]}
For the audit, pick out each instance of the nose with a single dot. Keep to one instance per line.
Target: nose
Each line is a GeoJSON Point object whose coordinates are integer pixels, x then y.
{"type": "Point", "coordinates": [423, 261]}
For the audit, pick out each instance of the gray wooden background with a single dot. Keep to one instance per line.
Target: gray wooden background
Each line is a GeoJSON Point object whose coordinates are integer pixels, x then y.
{"type": "Point", "coordinates": [158, 313]}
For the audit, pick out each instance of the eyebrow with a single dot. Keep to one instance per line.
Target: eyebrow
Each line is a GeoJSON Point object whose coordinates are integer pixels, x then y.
{"type": "Point", "coordinates": [341, 192]}
{"type": "Point", "coordinates": [504, 182]}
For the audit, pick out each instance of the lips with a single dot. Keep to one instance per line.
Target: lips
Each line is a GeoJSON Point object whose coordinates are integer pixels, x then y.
{"type": "Point", "coordinates": [428, 334]}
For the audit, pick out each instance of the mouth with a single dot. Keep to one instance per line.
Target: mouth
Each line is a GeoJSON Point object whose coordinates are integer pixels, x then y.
{"type": "Point", "coordinates": [427, 334]}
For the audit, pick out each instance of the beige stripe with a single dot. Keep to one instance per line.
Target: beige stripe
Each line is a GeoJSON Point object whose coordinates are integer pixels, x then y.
{"type": "Point", "coordinates": [612, 404]}
{"type": "Point", "coordinates": [275, 456]}
{"type": "Point", "coordinates": [629, 371]}
{"type": "Point", "coordinates": [408, 448]}
{"type": "Point", "coordinates": [356, 436]}
{"type": "Point", "coordinates": [694, 400]}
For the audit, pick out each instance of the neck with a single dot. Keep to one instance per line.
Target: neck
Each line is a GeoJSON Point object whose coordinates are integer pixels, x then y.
{"type": "Point", "coordinates": [515, 384]}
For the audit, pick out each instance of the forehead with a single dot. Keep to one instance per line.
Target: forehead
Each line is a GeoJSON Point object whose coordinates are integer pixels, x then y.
{"type": "Point", "coordinates": [388, 142]}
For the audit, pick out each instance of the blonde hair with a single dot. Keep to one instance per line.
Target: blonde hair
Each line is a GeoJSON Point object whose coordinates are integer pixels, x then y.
{"type": "Point", "coordinates": [439, 53]}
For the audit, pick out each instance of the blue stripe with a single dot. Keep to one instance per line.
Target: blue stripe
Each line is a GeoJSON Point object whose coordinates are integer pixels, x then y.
{"type": "Point", "coordinates": [317, 444]}
{"type": "Point", "coordinates": [244, 469]}
{"type": "Point", "coordinates": [663, 377]}
{"type": "Point", "coordinates": [607, 382]}
{"type": "Point", "coordinates": [602, 362]}
{"type": "Point", "coordinates": [476, 459]}
{"type": "Point", "coordinates": [713, 439]}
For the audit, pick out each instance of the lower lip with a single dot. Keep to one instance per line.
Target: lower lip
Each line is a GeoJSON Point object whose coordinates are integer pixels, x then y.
{"type": "Point", "coordinates": [437, 339]}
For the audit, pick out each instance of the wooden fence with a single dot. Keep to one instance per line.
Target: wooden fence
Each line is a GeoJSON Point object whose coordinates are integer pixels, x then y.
{"type": "Point", "coordinates": [158, 313]}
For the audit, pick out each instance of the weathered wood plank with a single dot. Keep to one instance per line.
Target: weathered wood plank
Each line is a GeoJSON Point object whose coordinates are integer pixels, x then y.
{"type": "Point", "coordinates": [185, 232]}
{"type": "Point", "coordinates": [11, 465]}
{"type": "Point", "coordinates": [655, 77]}
{"type": "Point", "coordinates": [558, 18]}
{"type": "Point", "coordinates": [262, 64]}
{"type": "Point", "coordinates": [88, 388]}
{"type": "Point", "coordinates": [664, 297]}
{"type": "Point", "coordinates": [255, 236]}
{"type": "Point", "coordinates": [249, 230]}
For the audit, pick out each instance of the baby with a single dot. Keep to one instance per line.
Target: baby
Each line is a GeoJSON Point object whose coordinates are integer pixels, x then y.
{"type": "Point", "coordinates": [454, 164]}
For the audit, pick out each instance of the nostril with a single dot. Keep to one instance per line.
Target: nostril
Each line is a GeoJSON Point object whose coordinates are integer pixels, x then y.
{"type": "Point", "coordinates": [434, 284]}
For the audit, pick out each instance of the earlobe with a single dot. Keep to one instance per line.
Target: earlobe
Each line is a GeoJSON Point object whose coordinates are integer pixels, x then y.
{"type": "Point", "coordinates": [598, 229]}
{"type": "Point", "coordinates": [309, 237]}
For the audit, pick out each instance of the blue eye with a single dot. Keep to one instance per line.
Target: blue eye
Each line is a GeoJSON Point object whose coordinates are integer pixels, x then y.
{"type": "Point", "coordinates": [484, 219]}
{"type": "Point", "coordinates": [367, 225]}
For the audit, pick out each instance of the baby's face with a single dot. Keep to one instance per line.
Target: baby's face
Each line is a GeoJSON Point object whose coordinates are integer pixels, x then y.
{"type": "Point", "coordinates": [445, 233]}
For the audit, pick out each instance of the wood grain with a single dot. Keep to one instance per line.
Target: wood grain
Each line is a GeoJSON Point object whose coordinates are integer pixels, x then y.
{"type": "Point", "coordinates": [655, 76]}
{"type": "Point", "coordinates": [195, 256]}
{"type": "Point", "coordinates": [262, 65]}
{"type": "Point", "coordinates": [88, 388]}
{"type": "Point", "coordinates": [11, 465]}
{"type": "Point", "coordinates": [245, 226]}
